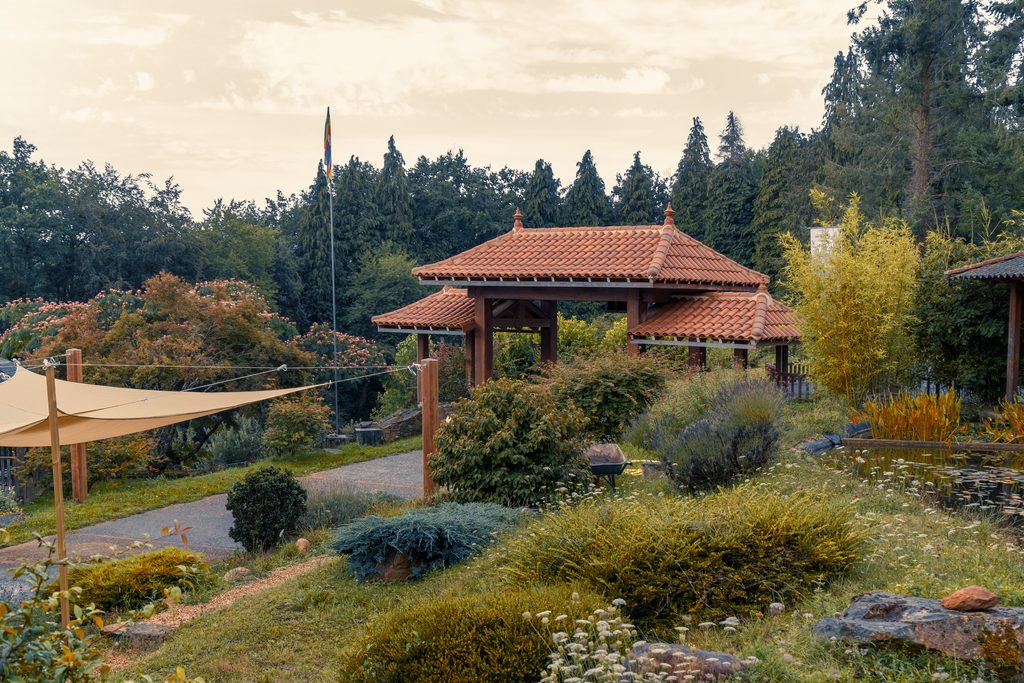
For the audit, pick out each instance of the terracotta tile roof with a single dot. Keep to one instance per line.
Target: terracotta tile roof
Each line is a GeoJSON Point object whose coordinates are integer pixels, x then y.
{"type": "Point", "coordinates": [448, 310]}
{"type": "Point", "coordinates": [726, 316]}
{"type": "Point", "coordinates": [650, 253]}
{"type": "Point", "coordinates": [1008, 267]}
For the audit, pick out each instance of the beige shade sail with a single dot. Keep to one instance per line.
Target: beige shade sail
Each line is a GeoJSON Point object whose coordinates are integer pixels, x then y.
{"type": "Point", "coordinates": [90, 412]}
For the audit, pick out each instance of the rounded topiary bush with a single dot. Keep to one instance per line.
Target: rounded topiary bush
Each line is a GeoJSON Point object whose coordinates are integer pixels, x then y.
{"type": "Point", "coordinates": [611, 389]}
{"type": "Point", "coordinates": [267, 505]}
{"type": "Point", "coordinates": [464, 638]}
{"type": "Point", "coordinates": [510, 443]}
{"type": "Point", "coordinates": [728, 554]}
{"type": "Point", "coordinates": [132, 582]}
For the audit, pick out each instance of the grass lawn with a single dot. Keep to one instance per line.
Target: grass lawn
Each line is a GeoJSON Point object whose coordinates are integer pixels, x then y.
{"type": "Point", "coordinates": [112, 500]}
{"type": "Point", "coordinates": [299, 631]}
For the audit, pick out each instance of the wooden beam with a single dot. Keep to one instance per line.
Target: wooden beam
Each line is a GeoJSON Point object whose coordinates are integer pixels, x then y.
{"type": "Point", "coordinates": [422, 347]}
{"type": "Point", "coordinates": [550, 293]}
{"type": "Point", "coordinates": [549, 333]}
{"type": "Point", "coordinates": [431, 419]}
{"type": "Point", "coordinates": [740, 359]}
{"type": "Point", "coordinates": [484, 340]}
{"type": "Point", "coordinates": [1013, 341]}
{"type": "Point", "coordinates": [634, 317]}
{"type": "Point", "coordinates": [697, 357]}
{"type": "Point", "coordinates": [58, 496]}
{"type": "Point", "coordinates": [79, 462]}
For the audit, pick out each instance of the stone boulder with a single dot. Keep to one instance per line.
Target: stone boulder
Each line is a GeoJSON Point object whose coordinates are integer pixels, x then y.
{"type": "Point", "coordinates": [995, 636]}
{"type": "Point", "coordinates": [604, 454]}
{"type": "Point", "coordinates": [683, 659]}
{"type": "Point", "coordinates": [303, 545]}
{"type": "Point", "coordinates": [395, 567]}
{"type": "Point", "coordinates": [236, 574]}
{"type": "Point", "coordinates": [142, 635]}
{"type": "Point", "coordinates": [405, 423]}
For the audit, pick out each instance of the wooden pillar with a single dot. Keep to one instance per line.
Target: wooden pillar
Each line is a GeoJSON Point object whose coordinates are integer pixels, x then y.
{"type": "Point", "coordinates": [782, 363]}
{"type": "Point", "coordinates": [633, 318]}
{"type": "Point", "coordinates": [79, 463]}
{"type": "Point", "coordinates": [431, 418]}
{"type": "Point", "coordinates": [698, 358]}
{"type": "Point", "coordinates": [483, 355]}
{"type": "Point", "coordinates": [469, 348]}
{"type": "Point", "coordinates": [1013, 341]}
{"type": "Point", "coordinates": [549, 334]}
{"type": "Point", "coordinates": [422, 347]}
{"type": "Point", "coordinates": [58, 495]}
{"type": "Point", "coordinates": [740, 359]}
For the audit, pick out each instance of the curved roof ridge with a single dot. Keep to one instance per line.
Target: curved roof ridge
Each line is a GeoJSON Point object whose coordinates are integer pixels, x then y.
{"type": "Point", "coordinates": [661, 251]}
{"type": "Point", "coordinates": [761, 301]}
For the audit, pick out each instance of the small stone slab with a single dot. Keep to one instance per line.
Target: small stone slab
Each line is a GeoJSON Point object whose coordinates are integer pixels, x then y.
{"type": "Point", "coordinates": [995, 635]}
{"type": "Point", "coordinates": [138, 635]}
{"type": "Point", "coordinates": [970, 599]}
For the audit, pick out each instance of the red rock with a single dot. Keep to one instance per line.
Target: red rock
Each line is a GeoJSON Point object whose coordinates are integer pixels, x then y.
{"type": "Point", "coordinates": [970, 599]}
{"type": "Point", "coordinates": [303, 545]}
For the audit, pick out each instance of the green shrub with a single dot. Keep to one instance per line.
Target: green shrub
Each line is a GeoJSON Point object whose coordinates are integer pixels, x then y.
{"type": "Point", "coordinates": [509, 443]}
{"type": "Point", "coordinates": [134, 581]}
{"type": "Point", "coordinates": [123, 457]}
{"type": "Point", "coordinates": [238, 445]}
{"type": "Point", "coordinates": [729, 554]}
{"type": "Point", "coordinates": [266, 505]}
{"type": "Point", "coordinates": [296, 424]}
{"type": "Point", "coordinates": [463, 638]}
{"type": "Point", "coordinates": [612, 389]}
{"type": "Point", "coordinates": [9, 500]}
{"type": "Point", "coordinates": [331, 507]}
{"type": "Point", "coordinates": [429, 537]}
{"type": "Point", "coordinates": [738, 435]}
{"type": "Point", "coordinates": [683, 402]}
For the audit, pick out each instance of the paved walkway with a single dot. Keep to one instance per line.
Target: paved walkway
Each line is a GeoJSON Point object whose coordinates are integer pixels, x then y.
{"type": "Point", "coordinates": [399, 474]}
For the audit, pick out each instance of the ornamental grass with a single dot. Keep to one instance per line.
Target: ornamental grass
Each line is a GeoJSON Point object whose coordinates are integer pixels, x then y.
{"type": "Point", "coordinates": [917, 418]}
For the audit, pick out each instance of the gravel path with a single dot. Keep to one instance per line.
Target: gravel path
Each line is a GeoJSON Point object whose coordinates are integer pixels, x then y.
{"type": "Point", "coordinates": [399, 474]}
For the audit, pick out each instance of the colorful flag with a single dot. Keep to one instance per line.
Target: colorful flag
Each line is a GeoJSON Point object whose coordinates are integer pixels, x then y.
{"type": "Point", "coordinates": [327, 146]}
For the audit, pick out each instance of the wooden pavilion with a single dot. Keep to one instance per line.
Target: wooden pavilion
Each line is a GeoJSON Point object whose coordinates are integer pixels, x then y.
{"type": "Point", "coordinates": [674, 290]}
{"type": "Point", "coordinates": [1007, 269]}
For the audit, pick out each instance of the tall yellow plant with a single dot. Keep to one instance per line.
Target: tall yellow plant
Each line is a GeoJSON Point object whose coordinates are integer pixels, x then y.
{"type": "Point", "coordinates": [917, 418]}
{"type": "Point", "coordinates": [854, 301]}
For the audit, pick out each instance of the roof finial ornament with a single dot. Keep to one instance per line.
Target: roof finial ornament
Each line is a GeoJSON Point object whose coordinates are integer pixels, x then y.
{"type": "Point", "coordinates": [670, 215]}
{"type": "Point", "coordinates": [518, 218]}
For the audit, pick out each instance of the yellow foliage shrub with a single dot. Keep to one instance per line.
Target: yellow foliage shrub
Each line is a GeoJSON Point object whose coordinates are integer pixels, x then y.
{"type": "Point", "coordinates": [464, 638]}
{"type": "Point", "coordinates": [1009, 426]}
{"type": "Point", "coordinates": [728, 554]}
{"type": "Point", "coordinates": [132, 582]}
{"type": "Point", "coordinates": [918, 418]}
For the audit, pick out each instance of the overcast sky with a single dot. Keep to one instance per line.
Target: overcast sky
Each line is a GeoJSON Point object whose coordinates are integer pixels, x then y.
{"type": "Point", "coordinates": [228, 96]}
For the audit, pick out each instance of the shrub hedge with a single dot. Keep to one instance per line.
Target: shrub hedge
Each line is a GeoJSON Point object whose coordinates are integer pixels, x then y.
{"type": "Point", "coordinates": [510, 443]}
{"type": "Point", "coordinates": [428, 537]}
{"type": "Point", "coordinates": [267, 505]}
{"type": "Point", "coordinates": [296, 424]}
{"type": "Point", "coordinates": [132, 582]}
{"type": "Point", "coordinates": [611, 389]}
{"type": "Point", "coordinates": [728, 554]}
{"type": "Point", "coordinates": [463, 638]}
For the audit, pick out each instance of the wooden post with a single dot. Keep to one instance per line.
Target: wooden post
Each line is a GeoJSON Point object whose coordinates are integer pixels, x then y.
{"type": "Point", "coordinates": [740, 358]}
{"type": "Point", "coordinates": [549, 334]}
{"type": "Point", "coordinates": [698, 358]}
{"type": "Point", "coordinates": [469, 348]}
{"type": "Point", "coordinates": [431, 418]}
{"type": "Point", "coordinates": [422, 347]}
{"type": "Point", "coordinates": [483, 355]}
{"type": "Point", "coordinates": [1013, 341]}
{"type": "Point", "coordinates": [58, 495]}
{"type": "Point", "coordinates": [782, 364]}
{"type": "Point", "coordinates": [633, 318]}
{"type": "Point", "coordinates": [79, 462]}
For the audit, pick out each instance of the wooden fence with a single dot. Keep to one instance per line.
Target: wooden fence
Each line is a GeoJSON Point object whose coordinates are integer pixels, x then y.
{"type": "Point", "coordinates": [794, 380]}
{"type": "Point", "coordinates": [8, 458]}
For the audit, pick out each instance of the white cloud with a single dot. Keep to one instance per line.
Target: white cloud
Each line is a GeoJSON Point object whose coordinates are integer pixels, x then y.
{"type": "Point", "coordinates": [144, 81]}
{"type": "Point", "coordinates": [117, 30]}
{"type": "Point", "coordinates": [632, 82]}
{"type": "Point", "coordinates": [188, 75]}
{"type": "Point", "coordinates": [101, 89]}
{"type": "Point", "coordinates": [95, 115]}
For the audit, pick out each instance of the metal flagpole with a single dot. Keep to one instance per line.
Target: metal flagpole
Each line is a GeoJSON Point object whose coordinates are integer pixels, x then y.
{"type": "Point", "coordinates": [334, 295]}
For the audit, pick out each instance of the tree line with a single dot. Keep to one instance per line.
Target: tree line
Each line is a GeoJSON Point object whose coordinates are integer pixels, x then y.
{"type": "Point", "coordinates": [922, 119]}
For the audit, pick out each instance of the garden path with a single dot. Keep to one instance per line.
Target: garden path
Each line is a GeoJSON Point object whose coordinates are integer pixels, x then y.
{"type": "Point", "coordinates": [209, 518]}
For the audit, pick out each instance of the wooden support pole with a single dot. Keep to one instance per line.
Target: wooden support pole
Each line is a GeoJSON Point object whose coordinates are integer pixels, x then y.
{"type": "Point", "coordinates": [469, 348]}
{"type": "Point", "coordinates": [782, 364]}
{"type": "Point", "coordinates": [549, 334]}
{"type": "Point", "coordinates": [58, 495]}
{"type": "Point", "coordinates": [422, 347]}
{"type": "Point", "coordinates": [698, 358]}
{"type": "Point", "coordinates": [431, 418]}
{"type": "Point", "coordinates": [633, 318]}
{"type": "Point", "coordinates": [79, 461]}
{"type": "Point", "coordinates": [740, 358]}
{"type": "Point", "coordinates": [483, 355]}
{"type": "Point", "coordinates": [1013, 341]}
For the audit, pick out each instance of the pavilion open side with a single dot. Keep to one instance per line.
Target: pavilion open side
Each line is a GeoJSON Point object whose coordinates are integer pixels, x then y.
{"type": "Point", "coordinates": [1007, 269]}
{"type": "Point", "coordinates": [674, 291]}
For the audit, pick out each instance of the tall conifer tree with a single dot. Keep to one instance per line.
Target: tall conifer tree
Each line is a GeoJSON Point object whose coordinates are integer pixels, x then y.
{"type": "Point", "coordinates": [313, 252]}
{"type": "Point", "coordinates": [639, 195]}
{"type": "Point", "coordinates": [732, 186]}
{"type": "Point", "coordinates": [690, 182]}
{"type": "Point", "coordinates": [586, 202]}
{"type": "Point", "coordinates": [542, 205]}
{"type": "Point", "coordinates": [394, 203]}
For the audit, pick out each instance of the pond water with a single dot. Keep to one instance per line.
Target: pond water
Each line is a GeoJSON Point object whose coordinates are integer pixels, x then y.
{"type": "Point", "coordinates": [992, 482]}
